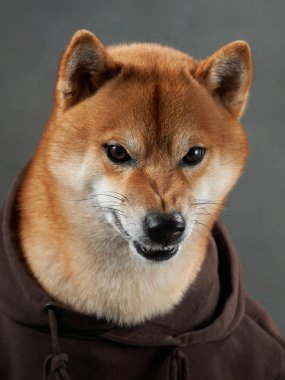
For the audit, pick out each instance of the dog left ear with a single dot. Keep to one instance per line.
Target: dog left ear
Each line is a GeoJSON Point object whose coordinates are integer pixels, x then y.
{"type": "Point", "coordinates": [84, 67]}
{"type": "Point", "coordinates": [227, 75]}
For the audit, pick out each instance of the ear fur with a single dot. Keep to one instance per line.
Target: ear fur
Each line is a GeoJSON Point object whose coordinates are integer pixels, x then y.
{"type": "Point", "coordinates": [84, 67]}
{"type": "Point", "coordinates": [227, 75]}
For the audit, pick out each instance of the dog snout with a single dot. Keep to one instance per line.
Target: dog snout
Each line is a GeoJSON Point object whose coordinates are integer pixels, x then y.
{"type": "Point", "coordinates": [164, 228]}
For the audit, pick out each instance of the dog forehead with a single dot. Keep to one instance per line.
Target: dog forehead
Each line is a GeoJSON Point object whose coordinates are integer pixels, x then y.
{"type": "Point", "coordinates": [149, 105]}
{"type": "Point", "coordinates": [163, 105]}
{"type": "Point", "coordinates": [156, 97]}
{"type": "Point", "coordinates": [157, 84]}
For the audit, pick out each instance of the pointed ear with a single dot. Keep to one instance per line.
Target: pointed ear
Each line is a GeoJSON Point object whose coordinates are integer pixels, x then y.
{"type": "Point", "coordinates": [227, 75]}
{"type": "Point", "coordinates": [84, 67]}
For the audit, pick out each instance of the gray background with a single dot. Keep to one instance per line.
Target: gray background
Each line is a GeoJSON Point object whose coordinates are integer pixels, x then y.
{"type": "Point", "coordinates": [33, 35]}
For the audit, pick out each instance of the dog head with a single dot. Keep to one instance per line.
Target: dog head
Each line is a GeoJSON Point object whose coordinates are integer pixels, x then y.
{"type": "Point", "coordinates": [149, 138]}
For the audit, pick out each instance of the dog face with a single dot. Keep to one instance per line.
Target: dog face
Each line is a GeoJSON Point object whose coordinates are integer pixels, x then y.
{"type": "Point", "coordinates": [149, 138]}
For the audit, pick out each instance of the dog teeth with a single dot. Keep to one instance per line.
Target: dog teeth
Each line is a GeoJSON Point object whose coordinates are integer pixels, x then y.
{"type": "Point", "coordinates": [157, 255]}
{"type": "Point", "coordinates": [165, 249]}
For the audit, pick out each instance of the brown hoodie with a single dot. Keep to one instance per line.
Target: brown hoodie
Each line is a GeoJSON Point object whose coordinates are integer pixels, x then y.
{"type": "Point", "coordinates": [216, 332]}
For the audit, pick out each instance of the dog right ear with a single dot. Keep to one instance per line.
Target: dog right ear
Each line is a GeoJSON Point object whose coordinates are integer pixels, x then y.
{"type": "Point", "coordinates": [227, 75]}
{"type": "Point", "coordinates": [84, 67]}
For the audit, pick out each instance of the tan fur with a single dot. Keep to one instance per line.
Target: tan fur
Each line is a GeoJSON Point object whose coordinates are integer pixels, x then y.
{"type": "Point", "coordinates": [157, 102]}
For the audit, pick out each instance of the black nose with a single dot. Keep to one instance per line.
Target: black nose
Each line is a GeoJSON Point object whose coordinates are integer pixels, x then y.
{"type": "Point", "coordinates": [164, 228]}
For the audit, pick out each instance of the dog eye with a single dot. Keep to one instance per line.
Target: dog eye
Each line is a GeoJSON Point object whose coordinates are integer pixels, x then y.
{"type": "Point", "coordinates": [117, 154]}
{"type": "Point", "coordinates": [194, 156]}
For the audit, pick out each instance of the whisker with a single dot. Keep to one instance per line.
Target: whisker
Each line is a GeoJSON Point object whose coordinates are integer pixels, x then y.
{"type": "Point", "coordinates": [185, 254]}
{"type": "Point", "coordinates": [198, 223]}
{"type": "Point", "coordinates": [208, 203]}
{"type": "Point", "coordinates": [206, 212]}
{"type": "Point", "coordinates": [122, 199]}
{"type": "Point", "coordinates": [79, 200]}
{"type": "Point", "coordinates": [109, 209]}
{"type": "Point", "coordinates": [115, 192]}
{"type": "Point", "coordinates": [116, 204]}
{"type": "Point", "coordinates": [195, 230]}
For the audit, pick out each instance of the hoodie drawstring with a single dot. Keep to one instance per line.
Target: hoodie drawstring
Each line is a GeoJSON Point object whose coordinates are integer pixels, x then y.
{"type": "Point", "coordinates": [178, 366]}
{"type": "Point", "coordinates": [55, 363]}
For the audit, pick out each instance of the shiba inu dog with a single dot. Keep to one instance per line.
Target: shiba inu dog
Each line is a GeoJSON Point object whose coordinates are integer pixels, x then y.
{"type": "Point", "coordinates": [143, 146]}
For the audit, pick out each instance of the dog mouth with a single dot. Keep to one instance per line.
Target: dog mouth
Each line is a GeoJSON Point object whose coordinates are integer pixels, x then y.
{"type": "Point", "coordinates": [151, 254]}
{"type": "Point", "coordinates": [156, 255]}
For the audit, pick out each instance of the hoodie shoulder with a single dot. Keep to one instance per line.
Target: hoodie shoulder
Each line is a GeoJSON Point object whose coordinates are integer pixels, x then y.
{"type": "Point", "coordinates": [262, 340]}
{"type": "Point", "coordinates": [255, 311]}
